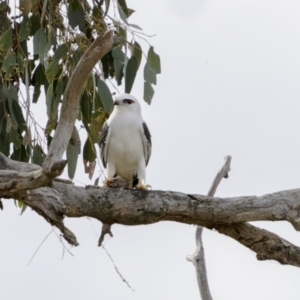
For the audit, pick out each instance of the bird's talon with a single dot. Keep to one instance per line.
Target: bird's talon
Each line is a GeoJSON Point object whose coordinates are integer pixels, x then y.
{"type": "Point", "coordinates": [143, 187]}
{"type": "Point", "coordinates": [107, 182]}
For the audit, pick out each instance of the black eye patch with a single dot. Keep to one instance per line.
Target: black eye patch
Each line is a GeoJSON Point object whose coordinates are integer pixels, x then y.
{"type": "Point", "coordinates": [128, 101]}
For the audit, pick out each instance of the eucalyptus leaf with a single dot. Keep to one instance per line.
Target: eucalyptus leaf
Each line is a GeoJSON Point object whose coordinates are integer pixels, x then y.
{"type": "Point", "coordinates": [149, 74]}
{"type": "Point", "coordinates": [72, 158]}
{"type": "Point", "coordinates": [38, 155]}
{"type": "Point", "coordinates": [8, 65]}
{"type": "Point", "coordinates": [52, 70]}
{"type": "Point", "coordinates": [6, 40]}
{"type": "Point", "coordinates": [130, 74]}
{"type": "Point", "coordinates": [25, 28]}
{"type": "Point", "coordinates": [123, 5]}
{"type": "Point", "coordinates": [39, 44]}
{"type": "Point", "coordinates": [148, 92]}
{"type": "Point", "coordinates": [122, 14]}
{"type": "Point", "coordinates": [76, 15]}
{"type": "Point", "coordinates": [105, 97]}
{"type": "Point", "coordinates": [119, 58]}
{"type": "Point", "coordinates": [61, 51]}
{"type": "Point", "coordinates": [154, 60]}
{"type": "Point", "coordinates": [135, 26]}
{"type": "Point", "coordinates": [136, 50]}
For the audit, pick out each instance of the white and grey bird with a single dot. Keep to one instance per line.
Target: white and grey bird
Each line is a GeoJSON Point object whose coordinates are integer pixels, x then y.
{"type": "Point", "coordinates": [125, 143]}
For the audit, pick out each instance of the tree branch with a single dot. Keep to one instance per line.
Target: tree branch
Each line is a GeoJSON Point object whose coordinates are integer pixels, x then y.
{"type": "Point", "coordinates": [198, 258]}
{"type": "Point", "coordinates": [135, 207]}
{"type": "Point", "coordinates": [266, 244]}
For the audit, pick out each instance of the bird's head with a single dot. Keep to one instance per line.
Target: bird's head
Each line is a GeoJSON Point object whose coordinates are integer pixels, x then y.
{"type": "Point", "coordinates": [127, 102]}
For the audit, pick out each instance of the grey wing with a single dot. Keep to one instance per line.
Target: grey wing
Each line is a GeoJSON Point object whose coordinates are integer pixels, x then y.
{"type": "Point", "coordinates": [146, 142]}
{"type": "Point", "coordinates": [104, 141]}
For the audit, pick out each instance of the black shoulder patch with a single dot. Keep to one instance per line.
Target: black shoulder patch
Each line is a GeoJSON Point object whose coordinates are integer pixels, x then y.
{"type": "Point", "coordinates": [103, 136]}
{"type": "Point", "coordinates": [147, 132]}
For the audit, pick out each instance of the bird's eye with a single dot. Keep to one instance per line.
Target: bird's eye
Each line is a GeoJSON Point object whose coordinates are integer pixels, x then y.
{"type": "Point", "coordinates": [128, 101]}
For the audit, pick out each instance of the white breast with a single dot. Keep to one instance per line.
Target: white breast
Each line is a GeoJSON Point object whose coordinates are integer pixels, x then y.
{"type": "Point", "coordinates": [126, 146]}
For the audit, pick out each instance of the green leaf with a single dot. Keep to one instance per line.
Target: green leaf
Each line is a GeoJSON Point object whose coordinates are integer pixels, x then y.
{"type": "Point", "coordinates": [135, 26]}
{"type": "Point", "coordinates": [123, 5]}
{"type": "Point", "coordinates": [49, 99]}
{"type": "Point", "coordinates": [97, 121]}
{"type": "Point", "coordinates": [76, 15]}
{"type": "Point", "coordinates": [122, 32]}
{"type": "Point", "coordinates": [21, 154]}
{"type": "Point", "coordinates": [20, 61]}
{"type": "Point", "coordinates": [23, 208]}
{"type": "Point", "coordinates": [4, 138]}
{"type": "Point", "coordinates": [148, 92]}
{"type": "Point", "coordinates": [130, 73]}
{"type": "Point", "coordinates": [12, 97]}
{"type": "Point", "coordinates": [60, 89]}
{"type": "Point", "coordinates": [52, 70]}
{"type": "Point", "coordinates": [39, 44]}
{"type": "Point", "coordinates": [39, 75]}
{"type": "Point", "coordinates": [18, 115]}
{"type": "Point", "coordinates": [107, 3]}
{"type": "Point", "coordinates": [25, 28]}
{"type": "Point", "coordinates": [122, 14]}
{"type": "Point", "coordinates": [105, 97]}
{"type": "Point", "coordinates": [8, 65]}
{"type": "Point", "coordinates": [15, 138]}
{"type": "Point", "coordinates": [61, 51]}
{"type": "Point", "coordinates": [38, 155]}
{"type": "Point", "coordinates": [119, 58]}
{"type": "Point", "coordinates": [6, 40]}
{"type": "Point", "coordinates": [154, 60]}
{"type": "Point", "coordinates": [72, 158]}
{"type": "Point", "coordinates": [97, 103]}
{"type": "Point", "coordinates": [136, 50]}
{"type": "Point", "coordinates": [96, 13]}
{"type": "Point", "coordinates": [35, 23]}
{"type": "Point", "coordinates": [86, 107]}
{"type": "Point", "coordinates": [149, 74]}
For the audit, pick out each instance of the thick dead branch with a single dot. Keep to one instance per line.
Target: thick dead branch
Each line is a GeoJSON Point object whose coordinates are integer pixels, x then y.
{"type": "Point", "coordinates": [135, 207]}
{"type": "Point", "coordinates": [266, 244]}
{"type": "Point", "coordinates": [47, 203]}
{"type": "Point", "coordinates": [16, 176]}
{"type": "Point", "coordinates": [198, 258]}
{"type": "Point", "coordinates": [72, 94]}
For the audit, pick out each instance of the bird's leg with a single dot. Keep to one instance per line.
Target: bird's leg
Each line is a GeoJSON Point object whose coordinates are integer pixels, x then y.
{"type": "Point", "coordinates": [141, 186]}
{"type": "Point", "coordinates": [111, 171]}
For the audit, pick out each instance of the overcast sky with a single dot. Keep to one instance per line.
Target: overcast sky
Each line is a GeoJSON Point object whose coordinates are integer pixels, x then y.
{"type": "Point", "coordinates": [229, 85]}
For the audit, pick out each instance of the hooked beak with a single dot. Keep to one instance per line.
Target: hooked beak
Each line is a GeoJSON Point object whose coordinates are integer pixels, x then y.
{"type": "Point", "coordinates": [116, 102]}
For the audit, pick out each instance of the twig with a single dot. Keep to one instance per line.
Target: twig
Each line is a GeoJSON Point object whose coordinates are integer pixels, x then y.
{"type": "Point", "coordinates": [64, 246]}
{"type": "Point", "coordinates": [198, 258]}
{"type": "Point", "coordinates": [38, 248]}
{"type": "Point", "coordinates": [117, 270]}
{"type": "Point", "coordinates": [106, 229]}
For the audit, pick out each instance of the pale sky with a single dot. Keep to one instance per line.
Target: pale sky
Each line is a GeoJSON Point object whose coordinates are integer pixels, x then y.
{"type": "Point", "coordinates": [229, 85]}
